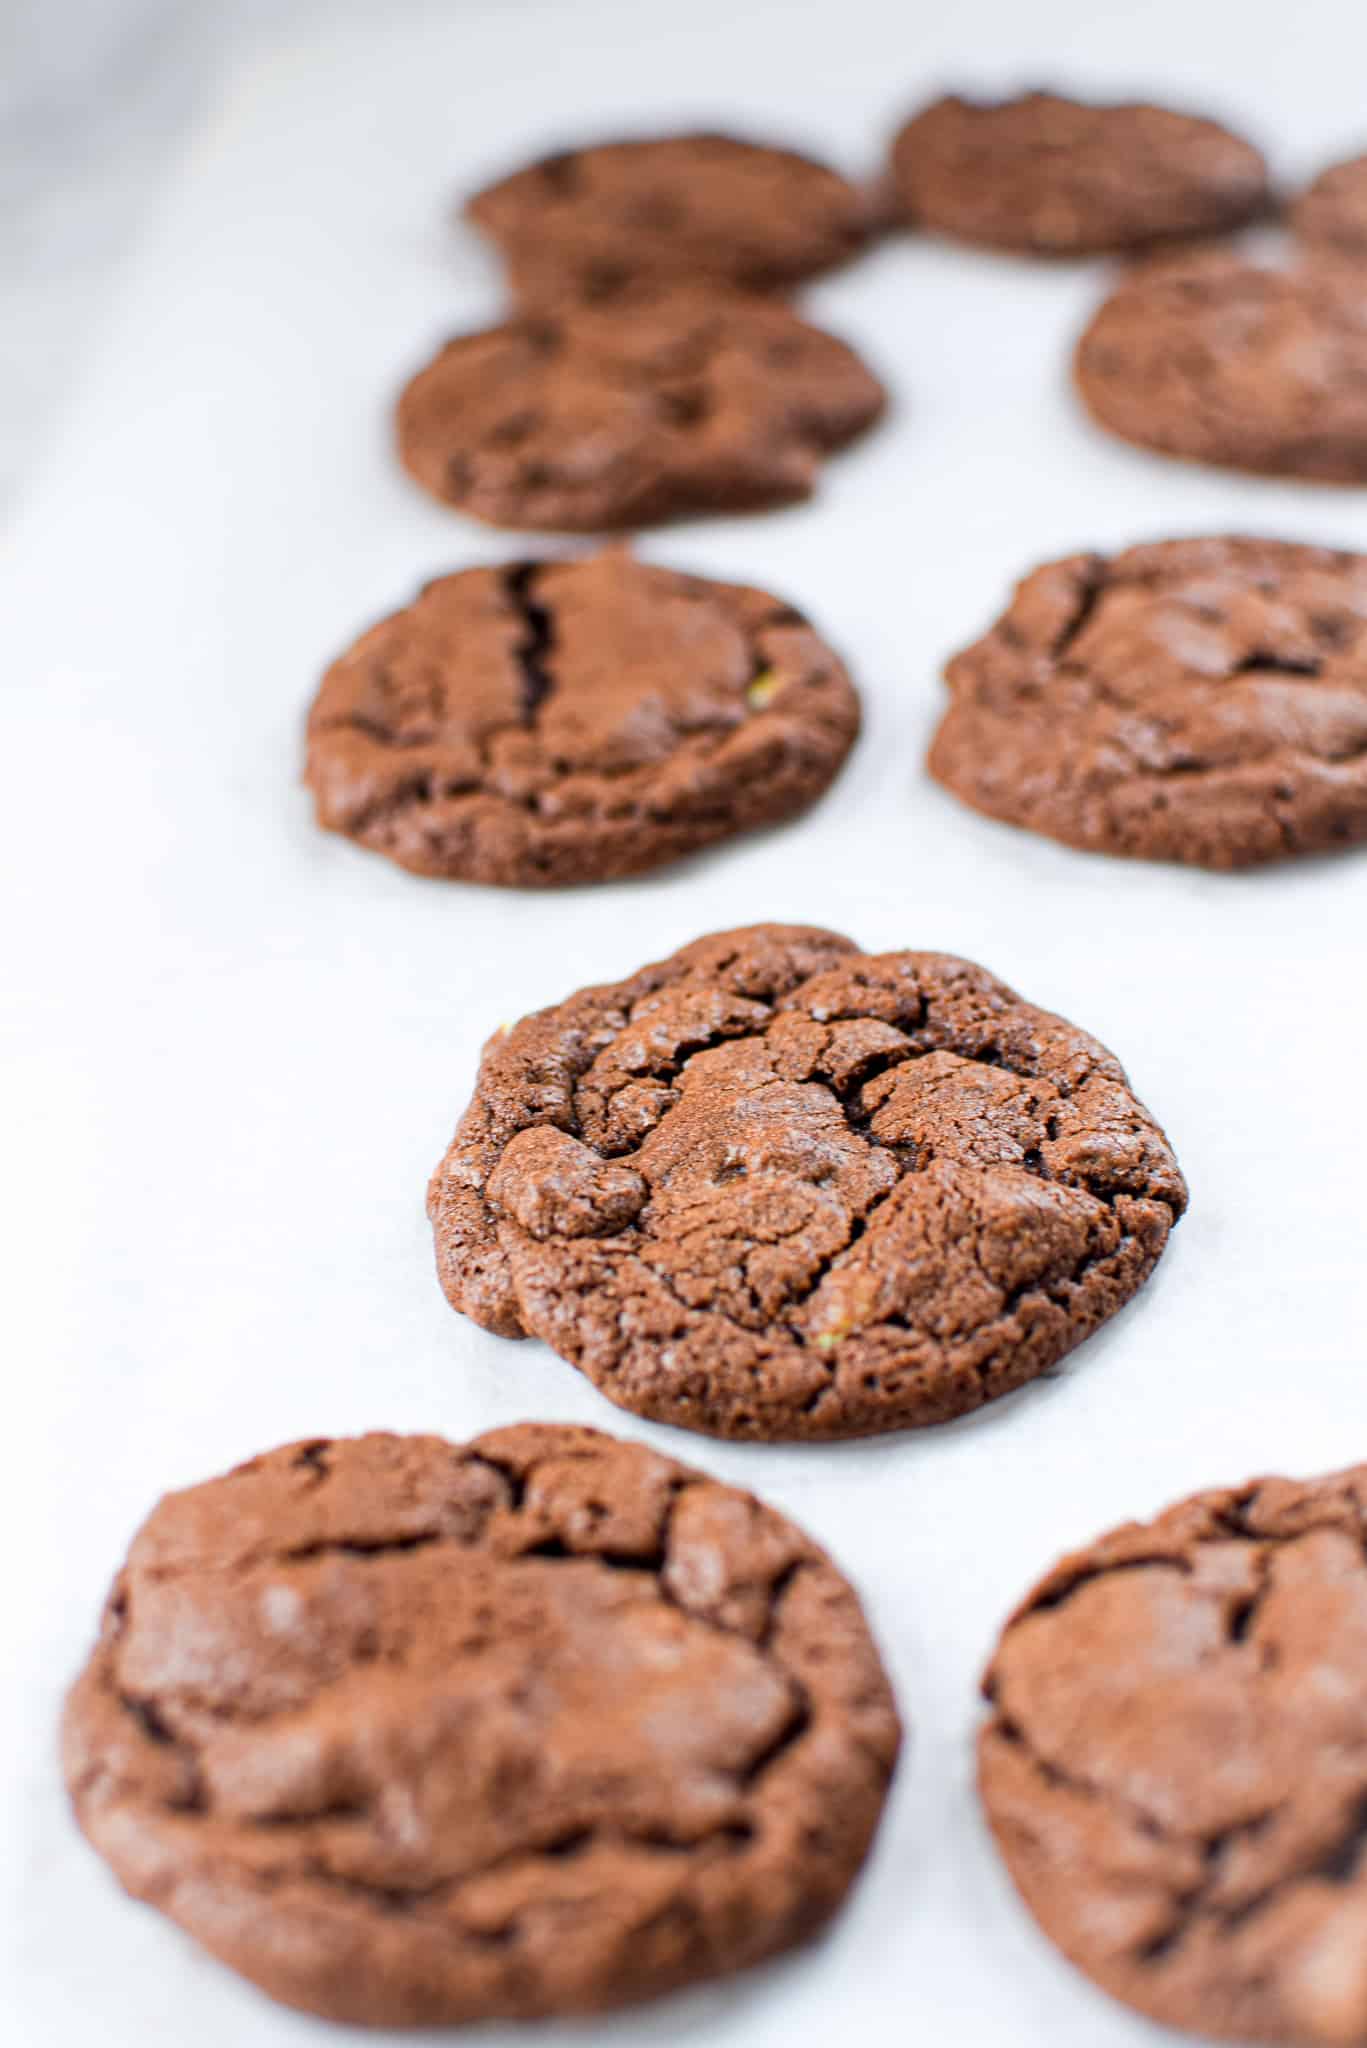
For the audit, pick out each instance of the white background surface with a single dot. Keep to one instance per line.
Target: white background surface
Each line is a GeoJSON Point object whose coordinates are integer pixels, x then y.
{"type": "Point", "coordinates": [95, 98]}
{"type": "Point", "coordinates": [235, 1046]}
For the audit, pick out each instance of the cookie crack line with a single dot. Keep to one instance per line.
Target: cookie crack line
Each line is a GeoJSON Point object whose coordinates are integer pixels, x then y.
{"type": "Point", "coordinates": [1100, 579]}
{"type": "Point", "coordinates": [1338, 1863]}
{"type": "Point", "coordinates": [1051, 1772]}
{"type": "Point", "coordinates": [150, 1716]}
{"type": "Point", "coordinates": [671, 1066]}
{"type": "Point", "coordinates": [314, 1454]}
{"type": "Point", "coordinates": [826, 1345]}
{"type": "Point", "coordinates": [1234, 1525]}
{"type": "Point", "coordinates": [1094, 587]}
{"type": "Point", "coordinates": [538, 641]}
{"type": "Point", "coordinates": [910, 1157]}
{"type": "Point", "coordinates": [733, 1837]}
{"type": "Point", "coordinates": [1053, 1288]}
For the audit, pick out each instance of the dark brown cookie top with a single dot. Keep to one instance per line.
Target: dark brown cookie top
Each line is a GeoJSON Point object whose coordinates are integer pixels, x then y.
{"type": "Point", "coordinates": [658, 405]}
{"type": "Point", "coordinates": [1176, 1765]}
{"type": "Point", "coordinates": [570, 721]}
{"type": "Point", "coordinates": [774, 1187]}
{"type": "Point", "coordinates": [1218, 360]}
{"type": "Point", "coordinates": [1332, 212]}
{"type": "Point", "coordinates": [1055, 176]}
{"type": "Point", "coordinates": [413, 1733]}
{"type": "Point", "coordinates": [1194, 700]}
{"type": "Point", "coordinates": [585, 223]}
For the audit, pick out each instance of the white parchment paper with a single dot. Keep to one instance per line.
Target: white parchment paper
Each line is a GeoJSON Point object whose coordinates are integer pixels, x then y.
{"type": "Point", "coordinates": [235, 1047]}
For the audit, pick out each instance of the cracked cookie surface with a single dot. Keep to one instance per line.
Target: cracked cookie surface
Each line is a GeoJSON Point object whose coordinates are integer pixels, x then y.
{"type": "Point", "coordinates": [1217, 360]}
{"type": "Point", "coordinates": [1331, 214]}
{"type": "Point", "coordinates": [569, 721]}
{"type": "Point", "coordinates": [1192, 700]}
{"type": "Point", "coordinates": [1054, 176]}
{"type": "Point", "coordinates": [663, 403]}
{"type": "Point", "coordinates": [774, 1187]}
{"type": "Point", "coordinates": [1175, 1770]}
{"type": "Point", "coordinates": [589, 222]}
{"type": "Point", "coordinates": [413, 1733]}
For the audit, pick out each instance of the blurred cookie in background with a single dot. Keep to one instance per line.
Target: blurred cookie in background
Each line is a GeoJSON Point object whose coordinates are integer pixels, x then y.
{"type": "Point", "coordinates": [1331, 214]}
{"type": "Point", "coordinates": [1050, 176]}
{"type": "Point", "coordinates": [655, 406]}
{"type": "Point", "coordinates": [692, 209]}
{"type": "Point", "coordinates": [1214, 359]}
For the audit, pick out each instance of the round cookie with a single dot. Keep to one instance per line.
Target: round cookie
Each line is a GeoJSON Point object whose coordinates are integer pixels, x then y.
{"type": "Point", "coordinates": [411, 1733]}
{"type": "Point", "coordinates": [1057, 177]}
{"type": "Point", "coordinates": [586, 223]}
{"type": "Point", "coordinates": [1193, 700]}
{"type": "Point", "coordinates": [1218, 360]}
{"type": "Point", "coordinates": [661, 404]}
{"type": "Point", "coordinates": [1175, 1769]}
{"type": "Point", "coordinates": [1331, 214]}
{"type": "Point", "coordinates": [773, 1187]}
{"type": "Point", "coordinates": [570, 721]}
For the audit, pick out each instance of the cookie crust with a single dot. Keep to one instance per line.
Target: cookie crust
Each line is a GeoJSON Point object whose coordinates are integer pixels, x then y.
{"type": "Point", "coordinates": [1192, 700]}
{"type": "Point", "coordinates": [1174, 1765]}
{"type": "Point", "coordinates": [569, 721]}
{"type": "Point", "coordinates": [1047, 175]}
{"type": "Point", "coordinates": [659, 405]}
{"type": "Point", "coordinates": [588, 223]}
{"type": "Point", "coordinates": [411, 1733]}
{"type": "Point", "coordinates": [773, 1187]}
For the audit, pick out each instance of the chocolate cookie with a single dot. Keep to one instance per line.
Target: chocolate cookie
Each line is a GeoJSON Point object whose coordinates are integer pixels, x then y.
{"type": "Point", "coordinates": [652, 407]}
{"type": "Point", "coordinates": [1331, 214]}
{"type": "Point", "coordinates": [774, 1187]}
{"type": "Point", "coordinates": [1218, 360]}
{"type": "Point", "coordinates": [570, 721]}
{"type": "Point", "coordinates": [1196, 700]}
{"type": "Point", "coordinates": [411, 1733]}
{"type": "Point", "coordinates": [688, 208]}
{"type": "Point", "coordinates": [1054, 176]}
{"type": "Point", "coordinates": [1176, 1765]}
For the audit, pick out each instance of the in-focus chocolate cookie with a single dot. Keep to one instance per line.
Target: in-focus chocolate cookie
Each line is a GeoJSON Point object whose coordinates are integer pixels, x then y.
{"type": "Point", "coordinates": [1218, 360]}
{"type": "Point", "coordinates": [1055, 176]}
{"type": "Point", "coordinates": [1175, 1769]}
{"type": "Point", "coordinates": [412, 1733]}
{"type": "Point", "coordinates": [1331, 214]}
{"type": "Point", "coordinates": [661, 404]}
{"type": "Point", "coordinates": [570, 721]}
{"type": "Point", "coordinates": [774, 1187]}
{"type": "Point", "coordinates": [1194, 700]}
{"type": "Point", "coordinates": [693, 209]}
